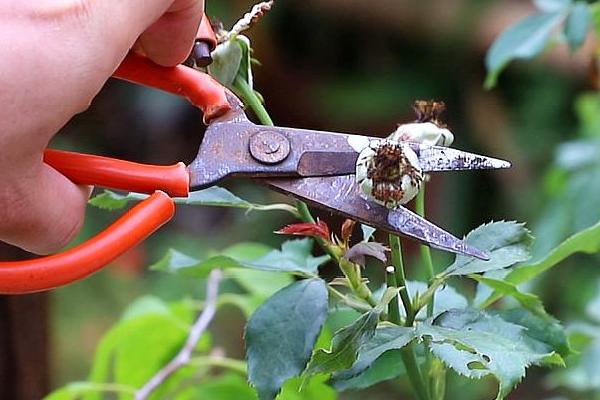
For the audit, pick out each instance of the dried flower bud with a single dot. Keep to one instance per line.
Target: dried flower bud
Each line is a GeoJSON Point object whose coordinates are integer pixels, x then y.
{"type": "Point", "coordinates": [423, 132]}
{"type": "Point", "coordinates": [430, 111]}
{"type": "Point", "coordinates": [428, 127]}
{"type": "Point", "coordinates": [389, 173]}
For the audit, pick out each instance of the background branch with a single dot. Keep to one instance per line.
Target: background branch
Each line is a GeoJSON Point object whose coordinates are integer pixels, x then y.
{"type": "Point", "coordinates": [185, 354]}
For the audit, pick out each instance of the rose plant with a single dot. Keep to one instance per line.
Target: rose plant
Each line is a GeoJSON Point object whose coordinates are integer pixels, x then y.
{"type": "Point", "coordinates": [312, 337]}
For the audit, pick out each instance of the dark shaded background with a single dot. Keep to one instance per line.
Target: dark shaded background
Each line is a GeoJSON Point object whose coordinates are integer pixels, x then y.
{"type": "Point", "coordinates": [342, 65]}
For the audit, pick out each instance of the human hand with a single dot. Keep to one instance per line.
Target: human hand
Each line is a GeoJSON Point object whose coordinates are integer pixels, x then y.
{"type": "Point", "coordinates": [55, 57]}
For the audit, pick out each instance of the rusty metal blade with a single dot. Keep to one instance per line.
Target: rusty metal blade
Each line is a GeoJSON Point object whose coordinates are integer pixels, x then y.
{"type": "Point", "coordinates": [340, 195]}
{"type": "Point", "coordinates": [240, 148]}
{"type": "Point", "coordinates": [436, 158]}
{"type": "Point", "coordinates": [226, 151]}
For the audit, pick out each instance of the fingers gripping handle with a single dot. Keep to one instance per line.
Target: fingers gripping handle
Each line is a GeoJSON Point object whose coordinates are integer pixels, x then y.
{"type": "Point", "coordinates": [19, 277]}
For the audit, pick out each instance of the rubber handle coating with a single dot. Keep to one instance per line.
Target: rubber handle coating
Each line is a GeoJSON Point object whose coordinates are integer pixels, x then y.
{"type": "Point", "coordinates": [19, 277]}
{"type": "Point", "coordinates": [87, 169]}
{"type": "Point", "coordinates": [199, 88]}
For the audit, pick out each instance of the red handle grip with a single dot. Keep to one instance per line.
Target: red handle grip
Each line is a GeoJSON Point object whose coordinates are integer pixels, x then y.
{"type": "Point", "coordinates": [199, 88]}
{"type": "Point", "coordinates": [87, 169]}
{"type": "Point", "coordinates": [18, 277]}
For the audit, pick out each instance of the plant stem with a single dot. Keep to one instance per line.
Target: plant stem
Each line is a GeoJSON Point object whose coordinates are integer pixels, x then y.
{"type": "Point", "coordinates": [436, 380]}
{"type": "Point", "coordinates": [393, 307]}
{"type": "Point", "coordinates": [409, 357]}
{"type": "Point", "coordinates": [305, 214]}
{"type": "Point", "coordinates": [413, 371]}
{"type": "Point", "coordinates": [243, 89]}
{"type": "Point", "coordinates": [425, 250]}
{"type": "Point", "coordinates": [400, 277]}
{"type": "Point", "coordinates": [352, 272]}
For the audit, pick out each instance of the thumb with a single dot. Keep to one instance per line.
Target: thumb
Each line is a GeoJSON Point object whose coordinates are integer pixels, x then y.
{"type": "Point", "coordinates": [43, 211]}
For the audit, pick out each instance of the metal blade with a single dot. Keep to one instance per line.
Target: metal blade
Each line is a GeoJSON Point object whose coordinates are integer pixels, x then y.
{"type": "Point", "coordinates": [340, 195]}
{"type": "Point", "coordinates": [436, 158]}
{"type": "Point", "coordinates": [241, 148]}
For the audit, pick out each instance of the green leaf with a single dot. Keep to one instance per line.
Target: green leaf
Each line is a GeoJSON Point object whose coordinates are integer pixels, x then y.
{"type": "Point", "coordinates": [586, 241]}
{"type": "Point", "coordinates": [313, 388]}
{"type": "Point", "coordinates": [136, 348]}
{"type": "Point", "coordinates": [225, 66]}
{"type": "Point", "coordinates": [345, 345]}
{"type": "Point", "coordinates": [109, 200]}
{"type": "Point", "coordinates": [446, 298]}
{"type": "Point", "coordinates": [587, 106]}
{"type": "Point", "coordinates": [550, 332]}
{"type": "Point", "coordinates": [475, 344]}
{"type": "Point", "coordinates": [146, 305]}
{"type": "Point", "coordinates": [149, 344]}
{"type": "Point", "coordinates": [214, 196]}
{"type": "Point", "coordinates": [552, 5]}
{"type": "Point", "coordinates": [184, 265]}
{"type": "Point", "coordinates": [281, 334]}
{"type": "Point", "coordinates": [383, 340]}
{"type": "Point", "coordinates": [578, 24]}
{"type": "Point", "coordinates": [225, 387]}
{"type": "Point", "coordinates": [294, 256]}
{"type": "Point", "coordinates": [261, 283]}
{"type": "Point", "coordinates": [525, 39]}
{"type": "Point", "coordinates": [593, 308]}
{"type": "Point", "coordinates": [232, 59]}
{"type": "Point", "coordinates": [527, 300]}
{"type": "Point", "coordinates": [582, 374]}
{"type": "Point", "coordinates": [74, 391]}
{"type": "Point", "coordinates": [388, 366]}
{"type": "Point", "coordinates": [507, 243]}
{"type": "Point", "coordinates": [595, 10]}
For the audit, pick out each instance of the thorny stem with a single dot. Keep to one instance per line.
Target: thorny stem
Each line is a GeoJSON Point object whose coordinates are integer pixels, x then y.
{"type": "Point", "coordinates": [428, 262]}
{"type": "Point", "coordinates": [400, 277]}
{"type": "Point", "coordinates": [393, 308]}
{"type": "Point", "coordinates": [409, 357]}
{"type": "Point", "coordinates": [185, 354]}
{"type": "Point", "coordinates": [250, 98]}
{"type": "Point", "coordinates": [425, 250]}
{"type": "Point", "coordinates": [351, 270]}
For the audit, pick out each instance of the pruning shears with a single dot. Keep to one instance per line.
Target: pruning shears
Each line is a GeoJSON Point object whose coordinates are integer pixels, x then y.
{"type": "Point", "coordinates": [314, 166]}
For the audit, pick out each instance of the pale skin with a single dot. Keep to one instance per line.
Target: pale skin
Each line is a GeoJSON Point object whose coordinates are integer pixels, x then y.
{"type": "Point", "coordinates": [55, 56]}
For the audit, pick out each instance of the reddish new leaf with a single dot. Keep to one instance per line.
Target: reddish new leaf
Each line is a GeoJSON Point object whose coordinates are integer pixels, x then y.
{"type": "Point", "coordinates": [320, 229]}
{"type": "Point", "coordinates": [347, 229]}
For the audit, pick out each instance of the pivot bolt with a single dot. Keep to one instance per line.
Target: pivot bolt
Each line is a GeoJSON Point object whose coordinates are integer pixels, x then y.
{"type": "Point", "coordinates": [269, 147]}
